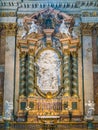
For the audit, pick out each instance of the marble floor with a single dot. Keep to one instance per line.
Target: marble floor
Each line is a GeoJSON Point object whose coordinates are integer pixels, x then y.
{"type": "Point", "coordinates": [47, 129]}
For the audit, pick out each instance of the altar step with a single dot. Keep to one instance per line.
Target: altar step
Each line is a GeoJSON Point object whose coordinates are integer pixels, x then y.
{"type": "Point", "coordinates": [59, 126]}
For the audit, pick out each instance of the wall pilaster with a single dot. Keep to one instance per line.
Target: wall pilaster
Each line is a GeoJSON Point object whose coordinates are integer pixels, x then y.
{"type": "Point", "coordinates": [9, 61]}
{"type": "Point", "coordinates": [87, 62]}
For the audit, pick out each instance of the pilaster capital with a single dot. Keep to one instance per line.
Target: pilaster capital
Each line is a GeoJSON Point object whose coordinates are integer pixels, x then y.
{"type": "Point", "coordinates": [10, 28]}
{"type": "Point", "coordinates": [87, 28]}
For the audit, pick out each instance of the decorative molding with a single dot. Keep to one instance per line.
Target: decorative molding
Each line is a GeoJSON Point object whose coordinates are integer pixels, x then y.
{"type": "Point", "coordinates": [44, 4]}
{"type": "Point", "coordinates": [7, 14]}
{"type": "Point", "coordinates": [90, 14]}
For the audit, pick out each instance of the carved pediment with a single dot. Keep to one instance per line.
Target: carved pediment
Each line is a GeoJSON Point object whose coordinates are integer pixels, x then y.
{"type": "Point", "coordinates": [48, 18]}
{"type": "Point", "coordinates": [42, 28]}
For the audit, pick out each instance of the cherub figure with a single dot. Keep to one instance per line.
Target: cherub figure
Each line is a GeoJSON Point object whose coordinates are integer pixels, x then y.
{"type": "Point", "coordinates": [64, 29]}
{"type": "Point", "coordinates": [33, 28]}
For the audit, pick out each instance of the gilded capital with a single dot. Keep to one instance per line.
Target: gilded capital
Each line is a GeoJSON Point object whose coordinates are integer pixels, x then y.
{"type": "Point", "coordinates": [22, 54]}
{"type": "Point", "coordinates": [66, 52]}
{"type": "Point", "coordinates": [31, 52]}
{"type": "Point", "coordinates": [87, 28]}
{"type": "Point", "coordinates": [74, 53]}
{"type": "Point", "coordinates": [10, 28]}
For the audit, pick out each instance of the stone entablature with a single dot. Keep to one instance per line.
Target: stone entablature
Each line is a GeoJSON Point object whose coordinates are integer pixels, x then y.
{"type": "Point", "coordinates": [85, 8]}
{"type": "Point", "coordinates": [63, 4]}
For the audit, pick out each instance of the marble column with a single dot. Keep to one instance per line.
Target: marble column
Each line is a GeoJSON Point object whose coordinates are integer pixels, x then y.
{"type": "Point", "coordinates": [87, 63]}
{"type": "Point", "coordinates": [74, 74]}
{"type": "Point", "coordinates": [66, 73]}
{"type": "Point", "coordinates": [22, 86]}
{"type": "Point", "coordinates": [30, 76]}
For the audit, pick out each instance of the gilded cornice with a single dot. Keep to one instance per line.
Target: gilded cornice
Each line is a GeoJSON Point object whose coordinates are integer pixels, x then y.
{"type": "Point", "coordinates": [10, 28]}
{"type": "Point", "coordinates": [87, 28]}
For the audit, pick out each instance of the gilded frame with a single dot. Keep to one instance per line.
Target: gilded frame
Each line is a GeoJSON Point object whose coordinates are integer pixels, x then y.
{"type": "Point", "coordinates": [49, 94]}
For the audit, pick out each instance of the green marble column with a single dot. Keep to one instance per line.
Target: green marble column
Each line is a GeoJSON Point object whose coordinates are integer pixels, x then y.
{"type": "Point", "coordinates": [66, 73]}
{"type": "Point", "coordinates": [30, 75]}
{"type": "Point", "coordinates": [22, 88]}
{"type": "Point", "coordinates": [74, 74]}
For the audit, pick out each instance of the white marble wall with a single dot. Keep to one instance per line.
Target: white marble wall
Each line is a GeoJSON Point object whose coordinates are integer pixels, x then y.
{"type": "Point", "coordinates": [88, 68]}
{"type": "Point", "coordinates": [9, 69]}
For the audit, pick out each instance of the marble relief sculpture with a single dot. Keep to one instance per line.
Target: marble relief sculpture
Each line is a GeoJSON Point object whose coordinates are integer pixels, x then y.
{"type": "Point", "coordinates": [48, 78]}
{"type": "Point", "coordinates": [89, 110]}
{"type": "Point", "coordinates": [8, 110]}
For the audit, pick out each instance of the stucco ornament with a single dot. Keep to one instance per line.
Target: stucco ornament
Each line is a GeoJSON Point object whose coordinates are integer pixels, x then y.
{"type": "Point", "coordinates": [64, 29]}
{"type": "Point", "coordinates": [74, 35]}
{"type": "Point", "coordinates": [33, 28]}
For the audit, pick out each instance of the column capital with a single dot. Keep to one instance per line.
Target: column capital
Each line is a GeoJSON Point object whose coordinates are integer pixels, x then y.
{"type": "Point", "coordinates": [31, 52]}
{"type": "Point", "coordinates": [74, 53]}
{"type": "Point", "coordinates": [22, 54]}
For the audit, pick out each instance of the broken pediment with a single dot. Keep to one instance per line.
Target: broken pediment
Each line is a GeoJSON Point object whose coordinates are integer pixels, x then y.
{"type": "Point", "coordinates": [48, 27]}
